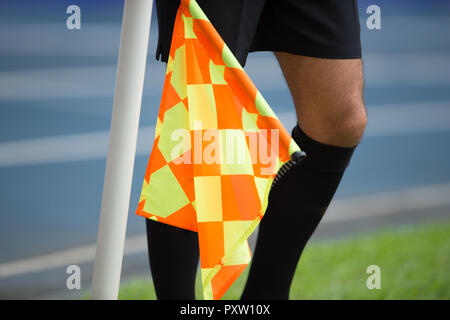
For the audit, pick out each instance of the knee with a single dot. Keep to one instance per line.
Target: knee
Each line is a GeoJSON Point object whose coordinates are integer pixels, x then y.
{"type": "Point", "coordinates": [343, 125]}
{"type": "Point", "coordinates": [348, 126]}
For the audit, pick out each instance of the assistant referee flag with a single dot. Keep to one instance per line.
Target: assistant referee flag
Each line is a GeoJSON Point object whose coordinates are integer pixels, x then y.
{"type": "Point", "coordinates": [218, 146]}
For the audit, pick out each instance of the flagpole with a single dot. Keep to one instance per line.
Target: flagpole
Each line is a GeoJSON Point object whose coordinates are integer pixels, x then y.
{"type": "Point", "coordinates": [122, 148]}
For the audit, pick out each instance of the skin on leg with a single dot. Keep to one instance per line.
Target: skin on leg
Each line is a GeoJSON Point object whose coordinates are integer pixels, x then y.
{"type": "Point", "coordinates": [328, 97]}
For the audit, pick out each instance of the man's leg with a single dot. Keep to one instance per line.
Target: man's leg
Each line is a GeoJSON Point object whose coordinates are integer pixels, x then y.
{"type": "Point", "coordinates": [173, 255]}
{"type": "Point", "coordinates": [327, 94]}
{"type": "Point", "coordinates": [328, 98]}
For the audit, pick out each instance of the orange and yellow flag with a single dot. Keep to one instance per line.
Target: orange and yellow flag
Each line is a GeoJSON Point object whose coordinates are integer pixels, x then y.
{"type": "Point", "coordinates": [218, 146]}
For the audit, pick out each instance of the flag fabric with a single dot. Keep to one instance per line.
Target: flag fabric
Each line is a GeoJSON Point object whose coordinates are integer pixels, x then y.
{"type": "Point", "coordinates": [218, 146]}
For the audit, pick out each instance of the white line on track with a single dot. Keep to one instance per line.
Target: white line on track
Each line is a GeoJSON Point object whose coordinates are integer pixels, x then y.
{"type": "Point", "coordinates": [66, 148]}
{"type": "Point", "coordinates": [381, 204]}
{"type": "Point", "coordinates": [386, 120]}
{"type": "Point", "coordinates": [381, 70]}
{"type": "Point", "coordinates": [54, 40]}
{"type": "Point", "coordinates": [136, 244]}
{"type": "Point", "coordinates": [70, 83]}
{"type": "Point", "coordinates": [385, 203]}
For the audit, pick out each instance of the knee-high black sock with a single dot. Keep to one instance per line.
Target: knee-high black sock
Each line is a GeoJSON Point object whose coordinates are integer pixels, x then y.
{"type": "Point", "coordinates": [296, 205]}
{"type": "Point", "coordinates": [173, 254]}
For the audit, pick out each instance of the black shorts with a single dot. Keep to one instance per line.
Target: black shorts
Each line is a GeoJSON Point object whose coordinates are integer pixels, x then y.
{"type": "Point", "coordinates": [314, 28]}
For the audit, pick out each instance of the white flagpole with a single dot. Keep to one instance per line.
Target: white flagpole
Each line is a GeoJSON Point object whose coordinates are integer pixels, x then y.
{"type": "Point", "coordinates": [122, 148]}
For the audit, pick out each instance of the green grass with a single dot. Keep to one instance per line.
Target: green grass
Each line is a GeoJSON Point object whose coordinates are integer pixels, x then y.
{"type": "Point", "coordinates": [414, 262]}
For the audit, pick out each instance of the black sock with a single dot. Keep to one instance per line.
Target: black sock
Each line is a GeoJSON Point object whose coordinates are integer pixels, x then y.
{"type": "Point", "coordinates": [174, 255]}
{"type": "Point", "coordinates": [296, 205]}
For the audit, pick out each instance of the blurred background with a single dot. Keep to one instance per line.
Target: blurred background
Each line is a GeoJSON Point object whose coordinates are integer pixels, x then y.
{"type": "Point", "coordinates": [56, 97]}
